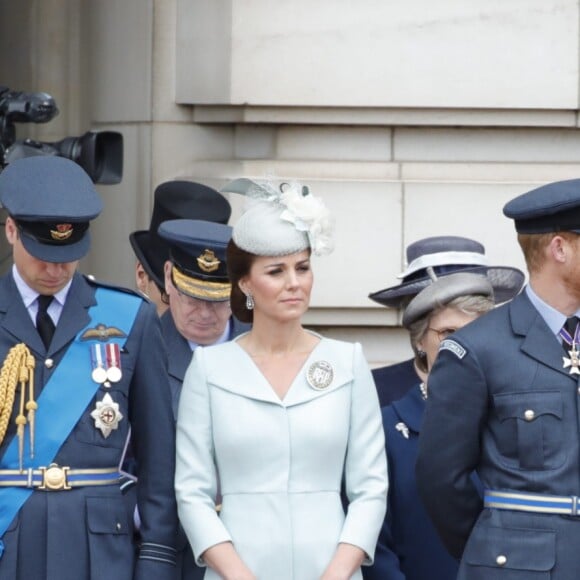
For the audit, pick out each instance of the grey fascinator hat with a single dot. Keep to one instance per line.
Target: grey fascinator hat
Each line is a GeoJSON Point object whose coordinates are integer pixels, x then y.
{"type": "Point", "coordinates": [281, 220]}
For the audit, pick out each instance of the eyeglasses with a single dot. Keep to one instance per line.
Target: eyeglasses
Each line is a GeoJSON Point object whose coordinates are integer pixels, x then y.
{"type": "Point", "coordinates": [442, 333]}
{"type": "Point", "coordinates": [197, 304]}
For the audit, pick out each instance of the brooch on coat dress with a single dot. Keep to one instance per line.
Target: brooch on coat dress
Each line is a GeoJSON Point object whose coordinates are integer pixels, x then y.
{"type": "Point", "coordinates": [319, 375]}
{"type": "Point", "coordinates": [402, 429]}
{"type": "Point", "coordinates": [106, 415]}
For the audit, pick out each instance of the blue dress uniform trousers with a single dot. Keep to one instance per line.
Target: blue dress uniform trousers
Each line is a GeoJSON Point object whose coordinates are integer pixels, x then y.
{"type": "Point", "coordinates": [501, 402]}
{"type": "Point", "coordinates": [87, 532]}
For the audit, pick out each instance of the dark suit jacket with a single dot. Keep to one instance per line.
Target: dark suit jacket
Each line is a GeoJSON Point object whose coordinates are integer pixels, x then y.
{"type": "Point", "coordinates": [87, 532]}
{"type": "Point", "coordinates": [501, 402]}
{"type": "Point", "coordinates": [394, 381]}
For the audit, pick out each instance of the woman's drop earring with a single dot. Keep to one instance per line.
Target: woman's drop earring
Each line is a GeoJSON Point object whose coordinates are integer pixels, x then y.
{"type": "Point", "coordinates": [249, 302]}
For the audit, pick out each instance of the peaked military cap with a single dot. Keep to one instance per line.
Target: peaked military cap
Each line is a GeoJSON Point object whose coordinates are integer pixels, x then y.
{"type": "Point", "coordinates": [52, 200]}
{"type": "Point", "coordinates": [448, 255]}
{"type": "Point", "coordinates": [553, 207]}
{"type": "Point", "coordinates": [175, 200]}
{"type": "Point", "coordinates": [197, 250]}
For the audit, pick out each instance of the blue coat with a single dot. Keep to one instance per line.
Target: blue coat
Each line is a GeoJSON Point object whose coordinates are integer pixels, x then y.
{"type": "Point", "coordinates": [485, 384]}
{"type": "Point", "coordinates": [179, 354]}
{"type": "Point", "coordinates": [408, 547]}
{"type": "Point", "coordinates": [394, 381]}
{"type": "Point", "coordinates": [87, 532]}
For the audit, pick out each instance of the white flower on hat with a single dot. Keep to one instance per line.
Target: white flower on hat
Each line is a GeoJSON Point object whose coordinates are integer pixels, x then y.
{"type": "Point", "coordinates": [259, 229]}
{"type": "Point", "coordinates": [308, 214]}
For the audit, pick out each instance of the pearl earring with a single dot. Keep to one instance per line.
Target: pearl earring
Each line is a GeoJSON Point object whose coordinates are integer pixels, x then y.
{"type": "Point", "coordinates": [249, 302]}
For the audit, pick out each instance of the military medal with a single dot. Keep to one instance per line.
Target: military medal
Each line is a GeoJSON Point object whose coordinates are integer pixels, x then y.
{"type": "Point", "coordinates": [106, 415]}
{"type": "Point", "coordinates": [98, 374]}
{"type": "Point", "coordinates": [572, 361]}
{"type": "Point", "coordinates": [319, 375]}
{"type": "Point", "coordinates": [114, 373]}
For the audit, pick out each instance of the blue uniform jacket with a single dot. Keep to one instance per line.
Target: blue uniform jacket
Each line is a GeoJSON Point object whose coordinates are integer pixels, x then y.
{"type": "Point", "coordinates": [501, 402]}
{"type": "Point", "coordinates": [179, 354]}
{"type": "Point", "coordinates": [86, 533]}
{"type": "Point", "coordinates": [394, 381]}
{"type": "Point", "coordinates": [408, 547]}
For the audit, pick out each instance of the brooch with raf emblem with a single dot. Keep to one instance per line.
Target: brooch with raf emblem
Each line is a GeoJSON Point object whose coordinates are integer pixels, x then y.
{"type": "Point", "coordinates": [106, 415]}
{"type": "Point", "coordinates": [319, 375]}
{"type": "Point", "coordinates": [402, 429]}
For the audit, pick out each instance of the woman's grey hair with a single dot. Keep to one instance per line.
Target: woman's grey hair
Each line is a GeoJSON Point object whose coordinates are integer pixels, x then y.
{"type": "Point", "coordinates": [472, 304]}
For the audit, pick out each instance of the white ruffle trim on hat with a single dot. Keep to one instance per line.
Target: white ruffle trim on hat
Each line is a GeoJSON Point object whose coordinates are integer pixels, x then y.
{"type": "Point", "coordinates": [261, 228]}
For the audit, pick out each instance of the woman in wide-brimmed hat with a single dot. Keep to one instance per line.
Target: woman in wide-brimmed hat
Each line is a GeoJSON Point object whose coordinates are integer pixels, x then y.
{"type": "Point", "coordinates": [445, 255]}
{"type": "Point", "coordinates": [409, 547]}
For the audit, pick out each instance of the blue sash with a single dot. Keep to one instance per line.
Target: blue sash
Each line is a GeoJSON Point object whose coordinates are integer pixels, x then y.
{"type": "Point", "coordinates": [66, 396]}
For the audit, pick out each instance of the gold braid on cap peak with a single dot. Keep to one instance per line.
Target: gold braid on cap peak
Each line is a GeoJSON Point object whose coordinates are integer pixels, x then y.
{"type": "Point", "coordinates": [18, 369]}
{"type": "Point", "coordinates": [202, 289]}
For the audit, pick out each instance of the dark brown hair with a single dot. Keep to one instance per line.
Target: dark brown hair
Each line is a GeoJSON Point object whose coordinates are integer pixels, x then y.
{"type": "Point", "coordinates": [239, 263]}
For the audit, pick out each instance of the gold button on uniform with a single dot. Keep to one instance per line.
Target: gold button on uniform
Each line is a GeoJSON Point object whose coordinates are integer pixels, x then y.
{"type": "Point", "coordinates": [529, 415]}
{"type": "Point", "coordinates": [501, 560]}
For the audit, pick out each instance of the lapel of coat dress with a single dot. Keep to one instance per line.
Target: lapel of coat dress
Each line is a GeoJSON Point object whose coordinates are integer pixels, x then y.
{"type": "Point", "coordinates": [410, 409]}
{"type": "Point", "coordinates": [538, 340]}
{"type": "Point", "coordinates": [243, 377]}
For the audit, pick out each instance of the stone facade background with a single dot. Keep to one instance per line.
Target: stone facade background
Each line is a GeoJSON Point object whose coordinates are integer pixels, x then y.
{"type": "Point", "coordinates": [411, 118]}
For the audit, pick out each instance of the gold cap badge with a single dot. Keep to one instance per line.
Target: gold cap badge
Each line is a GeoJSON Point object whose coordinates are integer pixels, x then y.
{"type": "Point", "coordinates": [62, 232]}
{"type": "Point", "coordinates": [208, 262]}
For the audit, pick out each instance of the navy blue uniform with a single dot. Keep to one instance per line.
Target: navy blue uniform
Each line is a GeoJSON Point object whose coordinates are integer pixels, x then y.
{"type": "Point", "coordinates": [501, 402]}
{"type": "Point", "coordinates": [87, 532]}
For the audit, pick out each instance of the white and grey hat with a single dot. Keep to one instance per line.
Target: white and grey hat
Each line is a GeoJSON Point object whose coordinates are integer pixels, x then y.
{"type": "Point", "coordinates": [281, 220]}
{"type": "Point", "coordinates": [447, 255]}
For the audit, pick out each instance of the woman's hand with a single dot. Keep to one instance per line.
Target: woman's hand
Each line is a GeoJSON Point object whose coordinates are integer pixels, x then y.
{"type": "Point", "coordinates": [345, 562]}
{"type": "Point", "coordinates": [224, 559]}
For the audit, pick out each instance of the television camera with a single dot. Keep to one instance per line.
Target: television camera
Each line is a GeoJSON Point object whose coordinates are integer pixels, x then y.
{"type": "Point", "coordinates": [99, 153]}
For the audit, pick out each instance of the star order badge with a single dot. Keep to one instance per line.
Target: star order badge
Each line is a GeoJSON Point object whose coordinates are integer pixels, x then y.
{"type": "Point", "coordinates": [106, 415]}
{"type": "Point", "coordinates": [573, 362]}
{"type": "Point", "coordinates": [319, 375]}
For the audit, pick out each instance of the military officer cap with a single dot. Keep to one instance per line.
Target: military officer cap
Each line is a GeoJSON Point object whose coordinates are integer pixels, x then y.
{"type": "Point", "coordinates": [52, 200]}
{"type": "Point", "coordinates": [554, 207]}
{"type": "Point", "coordinates": [197, 250]}
{"type": "Point", "coordinates": [175, 200]}
{"type": "Point", "coordinates": [447, 255]}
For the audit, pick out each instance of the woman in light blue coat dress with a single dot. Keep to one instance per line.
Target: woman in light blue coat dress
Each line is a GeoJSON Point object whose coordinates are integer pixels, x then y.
{"type": "Point", "coordinates": [277, 419]}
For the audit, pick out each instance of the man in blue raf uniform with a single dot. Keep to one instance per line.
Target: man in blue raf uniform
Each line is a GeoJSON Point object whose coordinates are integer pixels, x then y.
{"type": "Point", "coordinates": [198, 287]}
{"type": "Point", "coordinates": [504, 399]}
{"type": "Point", "coordinates": [81, 364]}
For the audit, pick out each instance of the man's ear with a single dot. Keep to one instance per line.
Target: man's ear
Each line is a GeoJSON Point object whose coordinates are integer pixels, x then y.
{"type": "Point", "coordinates": [11, 230]}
